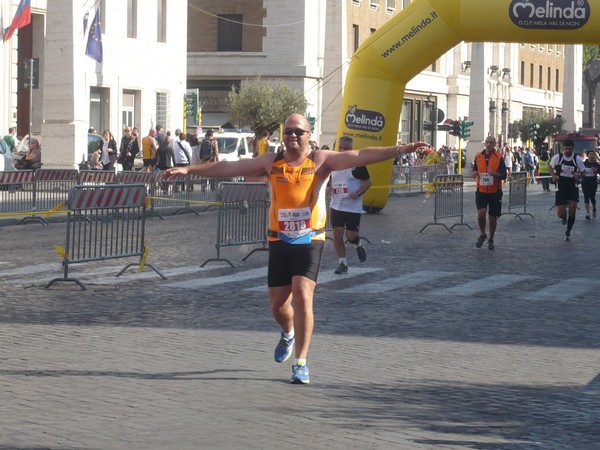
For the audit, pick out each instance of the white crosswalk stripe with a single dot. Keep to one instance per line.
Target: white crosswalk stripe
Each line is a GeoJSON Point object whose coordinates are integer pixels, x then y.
{"type": "Point", "coordinates": [401, 281]}
{"type": "Point", "coordinates": [200, 283]}
{"type": "Point", "coordinates": [482, 285]}
{"type": "Point", "coordinates": [327, 277]}
{"type": "Point", "coordinates": [565, 289]}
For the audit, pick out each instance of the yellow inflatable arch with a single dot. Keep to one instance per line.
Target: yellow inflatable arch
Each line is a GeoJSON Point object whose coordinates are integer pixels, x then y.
{"type": "Point", "coordinates": [425, 30]}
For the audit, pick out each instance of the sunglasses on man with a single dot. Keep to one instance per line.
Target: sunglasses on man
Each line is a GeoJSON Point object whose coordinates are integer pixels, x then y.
{"type": "Point", "coordinates": [297, 131]}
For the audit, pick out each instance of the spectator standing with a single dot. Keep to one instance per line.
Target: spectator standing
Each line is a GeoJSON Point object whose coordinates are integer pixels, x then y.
{"type": "Point", "coordinates": [529, 163]}
{"type": "Point", "coordinates": [109, 150]}
{"type": "Point", "coordinates": [544, 170]}
{"type": "Point", "coordinates": [125, 149]}
{"type": "Point", "coordinates": [149, 148]}
{"type": "Point", "coordinates": [508, 158]}
{"type": "Point", "coordinates": [589, 183]}
{"type": "Point", "coordinates": [160, 135]}
{"type": "Point", "coordinates": [566, 169]}
{"type": "Point", "coordinates": [183, 155]}
{"type": "Point", "coordinates": [11, 139]}
{"type": "Point", "coordinates": [262, 145]}
{"type": "Point", "coordinates": [347, 187]}
{"type": "Point", "coordinates": [165, 157]}
{"type": "Point", "coordinates": [490, 172]}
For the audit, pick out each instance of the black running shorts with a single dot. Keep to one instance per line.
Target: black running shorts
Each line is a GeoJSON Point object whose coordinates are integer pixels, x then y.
{"type": "Point", "coordinates": [288, 260]}
{"type": "Point", "coordinates": [342, 219]}
{"type": "Point", "coordinates": [493, 202]}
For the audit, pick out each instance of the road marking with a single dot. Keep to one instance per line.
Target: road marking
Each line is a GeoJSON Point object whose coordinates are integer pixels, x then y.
{"type": "Point", "coordinates": [212, 281]}
{"type": "Point", "coordinates": [329, 276]}
{"type": "Point", "coordinates": [486, 284]}
{"type": "Point", "coordinates": [402, 281]}
{"type": "Point", "coordinates": [78, 271]}
{"type": "Point", "coordinates": [565, 289]}
{"type": "Point", "coordinates": [28, 270]}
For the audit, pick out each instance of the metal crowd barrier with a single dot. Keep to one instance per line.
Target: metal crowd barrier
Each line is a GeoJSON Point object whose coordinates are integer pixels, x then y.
{"type": "Point", "coordinates": [17, 193]}
{"type": "Point", "coordinates": [52, 188]}
{"type": "Point", "coordinates": [517, 194]}
{"type": "Point", "coordinates": [39, 194]}
{"type": "Point", "coordinates": [104, 222]}
{"type": "Point", "coordinates": [413, 179]}
{"type": "Point", "coordinates": [242, 218]}
{"type": "Point", "coordinates": [448, 200]}
{"type": "Point", "coordinates": [97, 177]}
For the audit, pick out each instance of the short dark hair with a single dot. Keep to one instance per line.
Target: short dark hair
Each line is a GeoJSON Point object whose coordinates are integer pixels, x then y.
{"type": "Point", "coordinates": [568, 143]}
{"type": "Point", "coordinates": [209, 132]}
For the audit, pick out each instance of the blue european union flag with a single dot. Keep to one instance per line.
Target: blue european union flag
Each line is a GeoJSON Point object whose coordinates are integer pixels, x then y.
{"type": "Point", "coordinates": [94, 43]}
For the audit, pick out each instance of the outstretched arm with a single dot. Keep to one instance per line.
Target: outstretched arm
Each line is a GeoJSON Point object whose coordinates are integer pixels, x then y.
{"type": "Point", "coordinates": [366, 156]}
{"type": "Point", "coordinates": [255, 167]}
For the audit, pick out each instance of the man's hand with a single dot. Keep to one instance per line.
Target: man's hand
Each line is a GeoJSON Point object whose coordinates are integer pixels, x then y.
{"type": "Point", "coordinates": [174, 171]}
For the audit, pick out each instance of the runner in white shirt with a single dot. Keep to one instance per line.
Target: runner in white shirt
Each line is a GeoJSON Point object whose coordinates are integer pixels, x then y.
{"type": "Point", "coordinates": [347, 187]}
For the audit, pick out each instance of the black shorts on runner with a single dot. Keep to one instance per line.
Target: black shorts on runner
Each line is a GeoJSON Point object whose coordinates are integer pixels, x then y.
{"type": "Point", "coordinates": [491, 202]}
{"type": "Point", "coordinates": [565, 195]}
{"type": "Point", "coordinates": [288, 260]}
{"type": "Point", "coordinates": [149, 162]}
{"type": "Point", "coordinates": [348, 220]}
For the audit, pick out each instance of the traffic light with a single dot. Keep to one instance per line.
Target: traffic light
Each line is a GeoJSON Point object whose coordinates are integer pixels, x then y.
{"type": "Point", "coordinates": [465, 128]}
{"type": "Point", "coordinates": [454, 127]}
{"type": "Point", "coordinates": [533, 131]}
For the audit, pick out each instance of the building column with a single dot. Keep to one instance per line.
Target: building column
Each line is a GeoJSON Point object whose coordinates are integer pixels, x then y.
{"type": "Point", "coordinates": [65, 101]}
{"type": "Point", "coordinates": [479, 96]}
{"type": "Point", "coordinates": [572, 111]}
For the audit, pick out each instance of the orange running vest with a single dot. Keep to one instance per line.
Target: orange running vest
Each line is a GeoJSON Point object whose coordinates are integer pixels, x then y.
{"type": "Point", "coordinates": [297, 200]}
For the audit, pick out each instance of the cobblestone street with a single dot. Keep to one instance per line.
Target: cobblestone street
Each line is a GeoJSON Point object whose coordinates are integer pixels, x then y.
{"type": "Point", "coordinates": [431, 343]}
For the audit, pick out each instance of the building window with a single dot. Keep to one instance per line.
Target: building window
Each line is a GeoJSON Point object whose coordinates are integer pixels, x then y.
{"type": "Point", "coordinates": [557, 80]}
{"type": "Point", "coordinates": [531, 75]}
{"type": "Point", "coordinates": [161, 21]}
{"type": "Point", "coordinates": [390, 6]}
{"type": "Point", "coordinates": [540, 73]}
{"type": "Point", "coordinates": [374, 4]}
{"type": "Point", "coordinates": [355, 38]}
{"type": "Point", "coordinates": [132, 19]}
{"type": "Point", "coordinates": [162, 109]}
{"type": "Point", "coordinates": [356, 2]}
{"type": "Point", "coordinates": [229, 33]}
{"type": "Point", "coordinates": [522, 73]}
{"type": "Point", "coordinates": [549, 78]}
{"type": "Point", "coordinates": [406, 122]}
{"type": "Point", "coordinates": [373, 30]}
{"type": "Point", "coordinates": [99, 107]}
{"type": "Point", "coordinates": [405, 3]}
{"type": "Point", "coordinates": [128, 108]}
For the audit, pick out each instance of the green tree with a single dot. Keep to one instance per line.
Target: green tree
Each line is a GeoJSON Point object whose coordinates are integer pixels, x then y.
{"type": "Point", "coordinates": [548, 123]}
{"type": "Point", "coordinates": [263, 105]}
{"type": "Point", "coordinates": [591, 75]}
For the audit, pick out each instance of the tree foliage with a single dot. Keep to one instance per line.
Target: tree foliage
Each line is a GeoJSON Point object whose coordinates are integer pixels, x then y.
{"type": "Point", "coordinates": [263, 105]}
{"type": "Point", "coordinates": [590, 53]}
{"type": "Point", "coordinates": [549, 124]}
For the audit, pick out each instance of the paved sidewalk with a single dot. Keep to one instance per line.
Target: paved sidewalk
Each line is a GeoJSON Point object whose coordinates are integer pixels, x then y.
{"type": "Point", "coordinates": [431, 343]}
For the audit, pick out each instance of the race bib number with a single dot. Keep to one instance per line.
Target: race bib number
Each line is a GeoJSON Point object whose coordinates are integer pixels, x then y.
{"type": "Point", "coordinates": [294, 222]}
{"type": "Point", "coordinates": [589, 172]}
{"type": "Point", "coordinates": [340, 189]}
{"type": "Point", "coordinates": [567, 171]}
{"type": "Point", "coordinates": [485, 179]}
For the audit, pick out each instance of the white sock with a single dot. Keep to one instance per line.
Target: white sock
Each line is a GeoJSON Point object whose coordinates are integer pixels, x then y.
{"type": "Point", "coordinates": [289, 335]}
{"type": "Point", "coordinates": [342, 261]}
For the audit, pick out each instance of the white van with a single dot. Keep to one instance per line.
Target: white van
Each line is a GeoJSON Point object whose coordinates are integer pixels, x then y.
{"type": "Point", "coordinates": [234, 145]}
